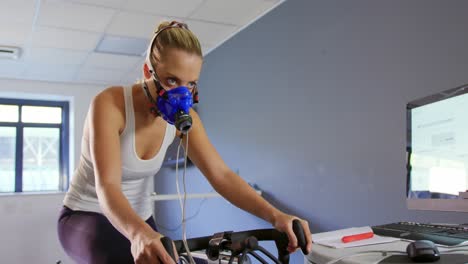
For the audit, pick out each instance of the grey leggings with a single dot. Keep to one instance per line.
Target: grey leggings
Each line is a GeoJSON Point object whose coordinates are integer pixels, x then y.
{"type": "Point", "coordinates": [88, 237]}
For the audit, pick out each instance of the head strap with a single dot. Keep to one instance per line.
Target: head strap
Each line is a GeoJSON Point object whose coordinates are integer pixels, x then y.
{"type": "Point", "coordinates": [173, 24]}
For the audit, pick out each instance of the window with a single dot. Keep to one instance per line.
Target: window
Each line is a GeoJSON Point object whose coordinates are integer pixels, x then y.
{"type": "Point", "coordinates": [33, 145]}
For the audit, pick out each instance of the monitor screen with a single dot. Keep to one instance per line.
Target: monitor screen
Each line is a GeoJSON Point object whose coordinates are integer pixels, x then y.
{"type": "Point", "coordinates": [437, 151]}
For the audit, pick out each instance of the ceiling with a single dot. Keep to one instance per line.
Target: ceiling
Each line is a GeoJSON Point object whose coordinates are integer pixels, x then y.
{"type": "Point", "coordinates": [103, 41]}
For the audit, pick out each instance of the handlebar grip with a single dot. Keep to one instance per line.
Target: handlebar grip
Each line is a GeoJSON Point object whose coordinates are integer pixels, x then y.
{"type": "Point", "coordinates": [299, 232]}
{"type": "Point", "coordinates": [167, 243]}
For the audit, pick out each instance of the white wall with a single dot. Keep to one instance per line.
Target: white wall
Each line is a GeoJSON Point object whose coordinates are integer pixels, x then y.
{"type": "Point", "coordinates": [28, 229]}
{"type": "Point", "coordinates": [28, 222]}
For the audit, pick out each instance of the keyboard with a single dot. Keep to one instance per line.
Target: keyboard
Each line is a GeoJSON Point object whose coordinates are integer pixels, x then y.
{"type": "Point", "coordinates": [448, 235]}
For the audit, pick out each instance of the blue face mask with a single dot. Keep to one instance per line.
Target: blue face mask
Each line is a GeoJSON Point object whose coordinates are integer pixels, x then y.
{"type": "Point", "coordinates": [174, 107]}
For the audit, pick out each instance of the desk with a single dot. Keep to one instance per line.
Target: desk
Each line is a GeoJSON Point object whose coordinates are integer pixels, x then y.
{"type": "Point", "coordinates": [322, 255]}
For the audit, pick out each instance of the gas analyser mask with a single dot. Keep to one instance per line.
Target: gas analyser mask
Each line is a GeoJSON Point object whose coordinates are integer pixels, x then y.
{"type": "Point", "coordinates": [172, 105]}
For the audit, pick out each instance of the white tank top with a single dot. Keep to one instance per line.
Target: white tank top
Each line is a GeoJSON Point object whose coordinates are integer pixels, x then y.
{"type": "Point", "coordinates": [136, 173]}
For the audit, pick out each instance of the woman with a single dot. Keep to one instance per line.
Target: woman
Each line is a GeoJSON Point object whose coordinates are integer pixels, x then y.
{"type": "Point", "coordinates": [106, 216]}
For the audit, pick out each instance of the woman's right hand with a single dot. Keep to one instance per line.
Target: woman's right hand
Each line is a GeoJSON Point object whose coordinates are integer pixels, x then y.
{"type": "Point", "coordinates": [147, 249]}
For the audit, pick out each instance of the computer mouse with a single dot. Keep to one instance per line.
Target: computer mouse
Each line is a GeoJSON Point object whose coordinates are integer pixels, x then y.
{"type": "Point", "coordinates": [423, 251]}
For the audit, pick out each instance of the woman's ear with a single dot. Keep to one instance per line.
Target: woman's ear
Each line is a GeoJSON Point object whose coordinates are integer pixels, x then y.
{"type": "Point", "coordinates": [146, 71]}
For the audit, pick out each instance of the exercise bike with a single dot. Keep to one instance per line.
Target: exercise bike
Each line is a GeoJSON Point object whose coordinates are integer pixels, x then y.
{"type": "Point", "coordinates": [239, 245]}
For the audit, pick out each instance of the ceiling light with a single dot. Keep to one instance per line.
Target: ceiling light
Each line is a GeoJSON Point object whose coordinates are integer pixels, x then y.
{"type": "Point", "coordinates": [122, 45]}
{"type": "Point", "coordinates": [11, 53]}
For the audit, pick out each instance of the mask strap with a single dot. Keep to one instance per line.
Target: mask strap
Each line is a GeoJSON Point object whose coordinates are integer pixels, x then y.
{"type": "Point", "coordinates": [159, 89]}
{"type": "Point", "coordinates": [152, 104]}
{"type": "Point", "coordinates": [195, 96]}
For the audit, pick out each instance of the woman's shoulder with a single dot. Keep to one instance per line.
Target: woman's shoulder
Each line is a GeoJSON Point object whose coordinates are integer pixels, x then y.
{"type": "Point", "coordinates": [108, 106]}
{"type": "Point", "coordinates": [110, 93]}
{"type": "Point", "coordinates": [110, 101]}
{"type": "Point", "coordinates": [112, 96]}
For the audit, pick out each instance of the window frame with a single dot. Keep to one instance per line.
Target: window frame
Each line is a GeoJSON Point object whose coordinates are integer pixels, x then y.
{"type": "Point", "coordinates": [64, 128]}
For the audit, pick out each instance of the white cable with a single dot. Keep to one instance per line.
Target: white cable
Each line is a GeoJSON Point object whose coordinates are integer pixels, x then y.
{"type": "Point", "coordinates": [177, 178]}
{"type": "Point", "coordinates": [185, 200]}
{"type": "Point", "coordinates": [185, 194]}
{"type": "Point", "coordinates": [384, 254]}
{"type": "Point", "coordinates": [182, 204]}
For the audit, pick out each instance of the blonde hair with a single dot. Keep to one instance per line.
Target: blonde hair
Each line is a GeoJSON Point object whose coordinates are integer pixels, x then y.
{"type": "Point", "coordinates": [175, 37]}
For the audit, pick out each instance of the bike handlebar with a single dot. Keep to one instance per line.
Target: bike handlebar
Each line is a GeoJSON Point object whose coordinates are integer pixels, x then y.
{"type": "Point", "coordinates": [281, 241]}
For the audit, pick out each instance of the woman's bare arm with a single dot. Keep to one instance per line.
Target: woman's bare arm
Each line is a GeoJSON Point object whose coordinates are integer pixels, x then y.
{"type": "Point", "coordinates": [234, 188]}
{"type": "Point", "coordinates": [105, 123]}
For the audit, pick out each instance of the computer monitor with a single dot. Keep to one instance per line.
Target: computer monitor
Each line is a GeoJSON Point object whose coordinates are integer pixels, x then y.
{"type": "Point", "coordinates": [437, 151]}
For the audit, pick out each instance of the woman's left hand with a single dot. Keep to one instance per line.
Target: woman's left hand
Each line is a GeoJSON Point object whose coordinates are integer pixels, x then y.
{"type": "Point", "coordinates": [283, 222]}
